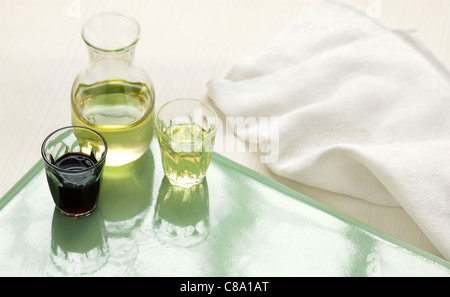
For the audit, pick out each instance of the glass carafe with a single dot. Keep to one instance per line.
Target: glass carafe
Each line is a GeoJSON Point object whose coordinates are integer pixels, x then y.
{"type": "Point", "coordinates": [112, 95]}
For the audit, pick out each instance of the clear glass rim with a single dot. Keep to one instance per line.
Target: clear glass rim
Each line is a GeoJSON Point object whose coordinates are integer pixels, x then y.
{"type": "Point", "coordinates": [206, 105]}
{"type": "Point", "coordinates": [47, 161]}
{"type": "Point", "coordinates": [111, 13]}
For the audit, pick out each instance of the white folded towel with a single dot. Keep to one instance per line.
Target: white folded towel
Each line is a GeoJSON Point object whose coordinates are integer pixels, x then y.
{"type": "Point", "coordinates": [363, 111]}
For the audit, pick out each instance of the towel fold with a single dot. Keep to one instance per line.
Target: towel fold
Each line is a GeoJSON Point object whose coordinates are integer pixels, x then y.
{"type": "Point", "coordinates": [362, 110]}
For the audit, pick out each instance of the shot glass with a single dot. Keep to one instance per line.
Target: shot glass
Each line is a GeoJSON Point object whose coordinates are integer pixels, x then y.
{"type": "Point", "coordinates": [74, 158]}
{"type": "Point", "coordinates": [186, 129]}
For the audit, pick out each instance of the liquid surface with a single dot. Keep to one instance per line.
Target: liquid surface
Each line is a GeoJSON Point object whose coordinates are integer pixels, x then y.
{"type": "Point", "coordinates": [75, 194]}
{"type": "Point", "coordinates": [122, 112]}
{"type": "Point", "coordinates": [187, 154]}
{"type": "Point", "coordinates": [75, 161]}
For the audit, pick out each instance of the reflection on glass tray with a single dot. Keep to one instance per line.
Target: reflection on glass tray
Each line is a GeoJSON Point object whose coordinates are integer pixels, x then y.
{"type": "Point", "coordinates": [236, 223]}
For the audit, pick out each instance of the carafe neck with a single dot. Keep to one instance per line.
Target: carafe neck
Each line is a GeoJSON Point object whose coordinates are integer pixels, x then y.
{"type": "Point", "coordinates": [121, 56]}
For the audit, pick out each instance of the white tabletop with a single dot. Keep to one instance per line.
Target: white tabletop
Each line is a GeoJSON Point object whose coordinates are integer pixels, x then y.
{"type": "Point", "coordinates": [184, 44]}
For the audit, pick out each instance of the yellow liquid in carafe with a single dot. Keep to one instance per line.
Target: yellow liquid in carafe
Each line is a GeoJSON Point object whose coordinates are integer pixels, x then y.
{"type": "Point", "coordinates": [123, 112]}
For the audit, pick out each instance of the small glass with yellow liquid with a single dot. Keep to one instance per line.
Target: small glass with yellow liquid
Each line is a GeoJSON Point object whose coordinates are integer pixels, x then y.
{"type": "Point", "coordinates": [186, 130]}
{"type": "Point", "coordinates": [112, 94]}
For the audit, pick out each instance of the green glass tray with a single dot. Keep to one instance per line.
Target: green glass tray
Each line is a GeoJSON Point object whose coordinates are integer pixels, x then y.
{"type": "Point", "coordinates": [236, 223]}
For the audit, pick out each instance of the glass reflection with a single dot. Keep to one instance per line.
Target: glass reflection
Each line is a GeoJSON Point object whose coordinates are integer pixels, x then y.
{"type": "Point", "coordinates": [182, 214]}
{"type": "Point", "coordinates": [78, 246]}
{"type": "Point", "coordinates": [125, 199]}
{"type": "Point", "coordinates": [126, 195]}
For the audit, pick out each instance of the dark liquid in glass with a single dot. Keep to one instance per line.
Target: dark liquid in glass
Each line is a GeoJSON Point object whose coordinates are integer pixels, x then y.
{"type": "Point", "coordinates": [73, 196]}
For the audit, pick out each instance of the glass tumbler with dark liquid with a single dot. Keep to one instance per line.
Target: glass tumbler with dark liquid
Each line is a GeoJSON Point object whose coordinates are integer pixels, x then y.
{"type": "Point", "coordinates": [74, 158]}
